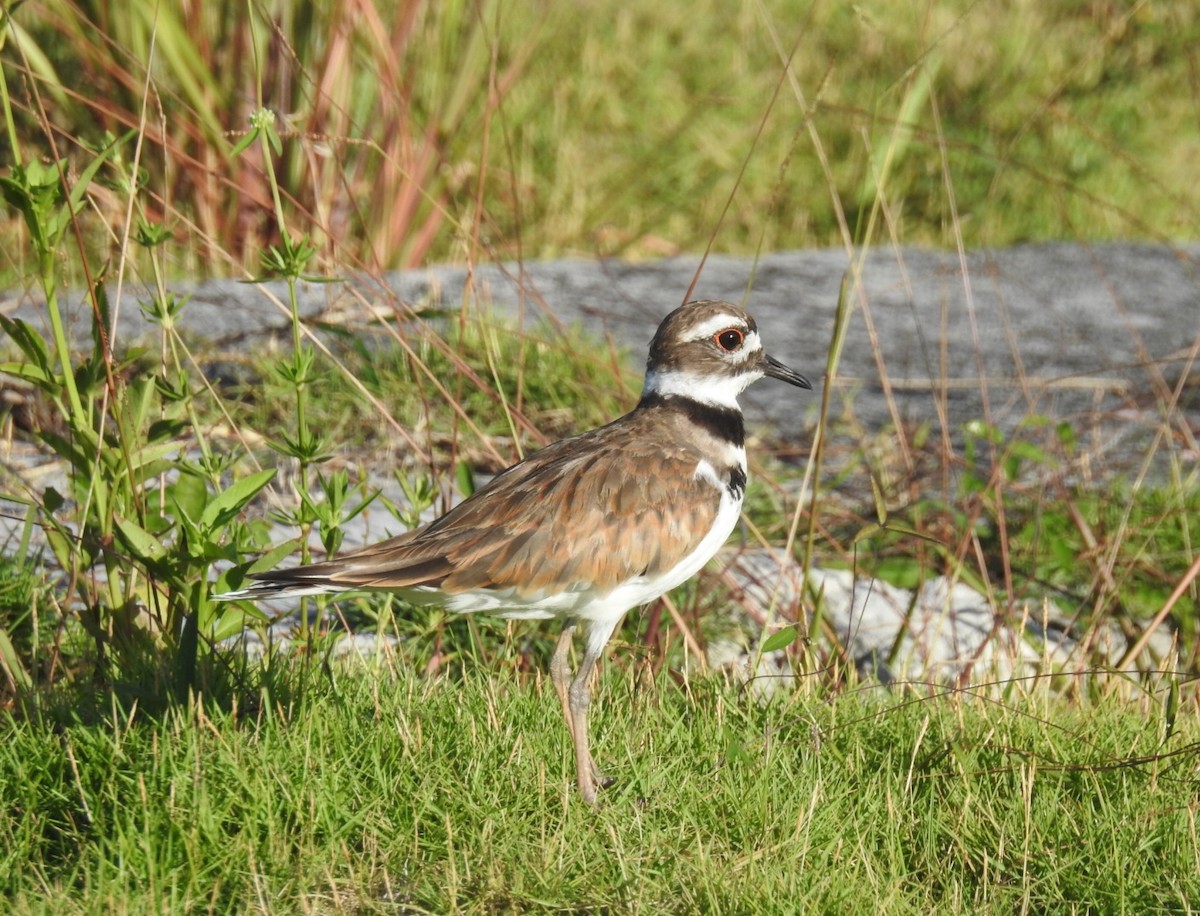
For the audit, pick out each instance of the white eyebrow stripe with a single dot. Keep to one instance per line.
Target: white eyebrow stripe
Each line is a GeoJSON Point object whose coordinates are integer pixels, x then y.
{"type": "Point", "coordinates": [716, 323]}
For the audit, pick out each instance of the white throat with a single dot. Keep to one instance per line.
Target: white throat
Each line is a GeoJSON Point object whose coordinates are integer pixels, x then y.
{"type": "Point", "coordinates": [716, 391]}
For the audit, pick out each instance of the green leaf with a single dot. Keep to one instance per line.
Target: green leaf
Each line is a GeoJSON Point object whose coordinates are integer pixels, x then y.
{"type": "Point", "coordinates": [912, 533]}
{"type": "Point", "coordinates": [780, 640]}
{"type": "Point", "coordinates": [226, 505]}
{"type": "Point", "coordinates": [27, 372]}
{"type": "Point", "coordinates": [881, 511]}
{"type": "Point", "coordinates": [33, 190]}
{"type": "Point", "coordinates": [188, 495]}
{"type": "Point", "coordinates": [151, 460]}
{"type": "Point", "coordinates": [1066, 436]}
{"type": "Point", "coordinates": [68, 549]}
{"type": "Point", "coordinates": [140, 542]}
{"type": "Point", "coordinates": [10, 661]}
{"type": "Point", "coordinates": [165, 429]}
{"type": "Point", "coordinates": [244, 144]}
{"type": "Point", "coordinates": [79, 449]}
{"type": "Point", "coordinates": [232, 620]}
{"type": "Point", "coordinates": [52, 500]}
{"type": "Point", "coordinates": [271, 558]}
{"type": "Point", "coordinates": [234, 578]}
{"type": "Point", "coordinates": [464, 478]}
{"type": "Point", "coordinates": [151, 235]}
{"type": "Point", "coordinates": [33, 346]}
{"type": "Point", "coordinates": [867, 532]}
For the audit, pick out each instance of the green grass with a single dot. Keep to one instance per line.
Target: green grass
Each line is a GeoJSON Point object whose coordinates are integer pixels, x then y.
{"type": "Point", "coordinates": [389, 792]}
{"type": "Point", "coordinates": [1106, 549]}
{"type": "Point", "coordinates": [477, 379]}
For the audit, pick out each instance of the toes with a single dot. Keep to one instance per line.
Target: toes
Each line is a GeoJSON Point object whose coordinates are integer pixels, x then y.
{"type": "Point", "coordinates": [600, 779]}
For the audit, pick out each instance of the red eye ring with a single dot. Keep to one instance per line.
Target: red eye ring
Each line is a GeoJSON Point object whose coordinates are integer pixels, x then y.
{"type": "Point", "coordinates": [730, 340]}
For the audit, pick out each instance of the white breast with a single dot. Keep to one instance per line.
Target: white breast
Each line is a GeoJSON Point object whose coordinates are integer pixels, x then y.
{"type": "Point", "coordinates": [643, 589]}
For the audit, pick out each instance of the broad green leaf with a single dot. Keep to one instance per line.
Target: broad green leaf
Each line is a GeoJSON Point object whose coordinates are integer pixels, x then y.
{"type": "Point", "coordinates": [79, 449]}
{"type": "Point", "coordinates": [140, 542]}
{"type": "Point", "coordinates": [152, 460]}
{"type": "Point", "coordinates": [232, 619]}
{"type": "Point", "coordinates": [188, 494]}
{"type": "Point", "coordinates": [68, 549]}
{"type": "Point", "coordinates": [161, 430]}
{"type": "Point", "coordinates": [244, 144]}
{"type": "Point", "coordinates": [52, 500]}
{"type": "Point", "coordinates": [271, 558]}
{"type": "Point", "coordinates": [28, 372]}
{"type": "Point", "coordinates": [780, 640]}
{"type": "Point", "coordinates": [226, 505]}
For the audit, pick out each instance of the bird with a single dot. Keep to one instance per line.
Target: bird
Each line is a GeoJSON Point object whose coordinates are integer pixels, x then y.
{"type": "Point", "coordinates": [590, 526]}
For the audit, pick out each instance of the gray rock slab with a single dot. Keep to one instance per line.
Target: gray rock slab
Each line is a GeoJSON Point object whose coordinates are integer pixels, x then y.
{"type": "Point", "coordinates": [1060, 330]}
{"type": "Point", "coordinates": [1065, 330]}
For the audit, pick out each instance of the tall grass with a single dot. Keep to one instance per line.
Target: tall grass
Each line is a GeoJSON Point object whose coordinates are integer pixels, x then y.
{"type": "Point", "coordinates": [418, 131]}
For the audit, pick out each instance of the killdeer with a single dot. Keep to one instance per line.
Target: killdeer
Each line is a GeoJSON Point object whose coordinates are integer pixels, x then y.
{"type": "Point", "coordinates": [590, 526]}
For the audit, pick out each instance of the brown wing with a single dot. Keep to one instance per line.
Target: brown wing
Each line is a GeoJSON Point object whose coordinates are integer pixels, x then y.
{"type": "Point", "coordinates": [592, 510]}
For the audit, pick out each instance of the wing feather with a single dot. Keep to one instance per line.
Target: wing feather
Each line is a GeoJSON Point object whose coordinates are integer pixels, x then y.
{"type": "Point", "coordinates": [590, 511]}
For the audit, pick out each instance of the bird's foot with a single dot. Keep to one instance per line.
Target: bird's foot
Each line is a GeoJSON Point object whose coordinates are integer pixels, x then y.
{"type": "Point", "coordinates": [595, 781]}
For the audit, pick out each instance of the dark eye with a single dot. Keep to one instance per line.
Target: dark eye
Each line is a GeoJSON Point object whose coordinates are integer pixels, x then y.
{"type": "Point", "coordinates": [729, 340]}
